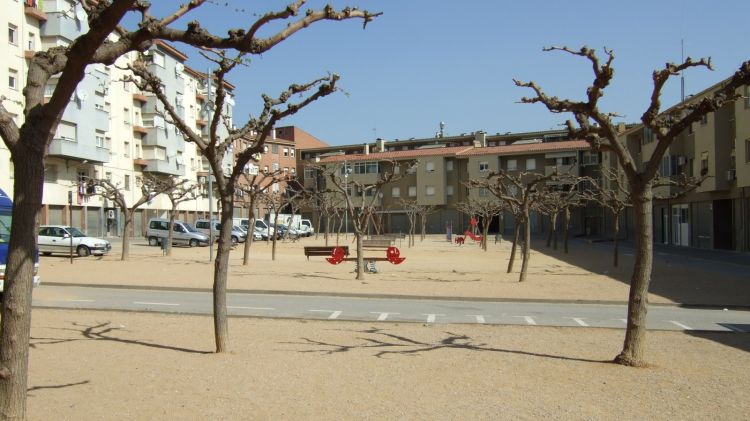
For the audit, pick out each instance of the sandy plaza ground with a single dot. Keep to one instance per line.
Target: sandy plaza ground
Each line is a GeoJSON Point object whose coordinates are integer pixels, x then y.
{"type": "Point", "coordinates": [125, 365]}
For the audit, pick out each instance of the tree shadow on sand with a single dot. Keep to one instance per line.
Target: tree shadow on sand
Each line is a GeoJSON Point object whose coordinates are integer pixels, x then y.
{"type": "Point", "coordinates": [104, 332]}
{"type": "Point", "coordinates": [385, 343]}
{"type": "Point", "coordinates": [56, 386]}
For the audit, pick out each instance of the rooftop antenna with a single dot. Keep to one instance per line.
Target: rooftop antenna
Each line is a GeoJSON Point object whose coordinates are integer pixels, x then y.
{"type": "Point", "coordinates": [442, 129]}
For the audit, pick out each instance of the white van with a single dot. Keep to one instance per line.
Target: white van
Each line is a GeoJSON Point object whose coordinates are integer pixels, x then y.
{"type": "Point", "coordinates": [183, 233]}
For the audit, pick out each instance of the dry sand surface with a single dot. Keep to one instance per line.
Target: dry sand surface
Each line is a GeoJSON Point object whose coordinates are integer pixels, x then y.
{"type": "Point", "coordinates": [129, 366]}
{"type": "Point", "coordinates": [432, 268]}
{"type": "Point", "coordinates": [133, 366]}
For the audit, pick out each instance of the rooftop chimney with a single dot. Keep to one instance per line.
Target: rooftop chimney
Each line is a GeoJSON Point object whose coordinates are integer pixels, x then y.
{"type": "Point", "coordinates": [480, 139]}
{"type": "Point", "coordinates": [367, 148]}
{"type": "Point", "coordinates": [381, 145]}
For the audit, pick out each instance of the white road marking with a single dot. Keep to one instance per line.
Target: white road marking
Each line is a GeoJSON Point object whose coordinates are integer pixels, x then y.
{"type": "Point", "coordinates": [82, 301]}
{"type": "Point", "coordinates": [480, 318]}
{"type": "Point", "coordinates": [154, 304]}
{"type": "Point", "coordinates": [334, 313]}
{"type": "Point", "coordinates": [678, 324]}
{"type": "Point", "coordinates": [252, 308]}
{"type": "Point", "coordinates": [528, 319]}
{"type": "Point", "coordinates": [381, 315]}
{"type": "Point", "coordinates": [578, 320]}
{"type": "Point", "coordinates": [734, 328]}
{"type": "Point", "coordinates": [431, 317]}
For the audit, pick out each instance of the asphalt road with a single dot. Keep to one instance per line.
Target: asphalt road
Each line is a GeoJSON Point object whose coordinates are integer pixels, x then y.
{"type": "Point", "coordinates": [390, 309]}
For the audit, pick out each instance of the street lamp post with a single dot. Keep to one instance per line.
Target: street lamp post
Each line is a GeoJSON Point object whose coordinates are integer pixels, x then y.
{"type": "Point", "coordinates": [70, 222]}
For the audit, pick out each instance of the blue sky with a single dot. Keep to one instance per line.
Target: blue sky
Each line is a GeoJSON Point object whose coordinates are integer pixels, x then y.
{"type": "Point", "coordinates": [424, 62]}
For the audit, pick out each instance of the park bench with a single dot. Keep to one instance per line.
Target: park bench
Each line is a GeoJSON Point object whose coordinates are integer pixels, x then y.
{"type": "Point", "coordinates": [392, 237]}
{"type": "Point", "coordinates": [323, 250]}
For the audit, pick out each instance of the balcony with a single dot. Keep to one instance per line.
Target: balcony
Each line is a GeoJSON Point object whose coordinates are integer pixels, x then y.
{"type": "Point", "coordinates": [32, 10]}
{"type": "Point", "coordinates": [140, 161]}
{"type": "Point", "coordinates": [140, 130]}
{"type": "Point", "coordinates": [140, 98]}
{"type": "Point", "coordinates": [572, 170]}
{"type": "Point", "coordinates": [68, 149]}
{"type": "Point", "coordinates": [164, 167]}
{"type": "Point", "coordinates": [201, 123]}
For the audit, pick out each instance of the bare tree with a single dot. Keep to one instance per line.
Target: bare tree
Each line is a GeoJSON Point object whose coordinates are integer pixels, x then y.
{"type": "Point", "coordinates": [178, 191]}
{"type": "Point", "coordinates": [601, 132]}
{"type": "Point", "coordinates": [424, 211]}
{"type": "Point", "coordinates": [556, 200]}
{"type": "Point", "coordinates": [253, 187]}
{"type": "Point", "coordinates": [486, 209]}
{"type": "Point", "coordinates": [411, 208]}
{"type": "Point", "coordinates": [29, 143]}
{"type": "Point", "coordinates": [614, 197]}
{"type": "Point", "coordinates": [520, 192]}
{"type": "Point", "coordinates": [114, 192]}
{"type": "Point", "coordinates": [362, 204]}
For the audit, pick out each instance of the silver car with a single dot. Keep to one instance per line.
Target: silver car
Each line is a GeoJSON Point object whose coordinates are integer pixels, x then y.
{"type": "Point", "coordinates": [203, 225]}
{"type": "Point", "coordinates": [58, 238]}
{"type": "Point", "coordinates": [183, 233]}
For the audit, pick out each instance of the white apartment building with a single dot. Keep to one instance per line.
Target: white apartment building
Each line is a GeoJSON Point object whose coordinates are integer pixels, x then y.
{"type": "Point", "coordinates": [110, 129]}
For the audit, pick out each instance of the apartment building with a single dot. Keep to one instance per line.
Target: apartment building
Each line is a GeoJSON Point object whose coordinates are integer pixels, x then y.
{"type": "Point", "coordinates": [444, 164]}
{"type": "Point", "coordinates": [109, 129]}
{"type": "Point", "coordinates": [717, 214]}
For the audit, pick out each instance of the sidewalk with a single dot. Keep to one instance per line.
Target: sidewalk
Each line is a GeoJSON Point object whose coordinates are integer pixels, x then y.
{"type": "Point", "coordinates": [433, 269]}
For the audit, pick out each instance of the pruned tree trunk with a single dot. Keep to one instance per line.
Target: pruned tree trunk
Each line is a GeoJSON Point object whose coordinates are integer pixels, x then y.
{"type": "Point", "coordinates": [635, 335]}
{"type": "Point", "coordinates": [360, 258]}
{"type": "Point", "coordinates": [317, 227]}
{"type": "Point", "coordinates": [526, 249]}
{"type": "Point", "coordinates": [554, 231]}
{"type": "Point", "coordinates": [485, 231]}
{"type": "Point", "coordinates": [250, 233]}
{"type": "Point", "coordinates": [126, 234]}
{"type": "Point", "coordinates": [616, 229]}
{"type": "Point", "coordinates": [549, 232]}
{"type": "Point", "coordinates": [566, 228]}
{"type": "Point", "coordinates": [221, 269]}
{"type": "Point", "coordinates": [170, 236]}
{"type": "Point", "coordinates": [516, 232]}
{"type": "Point", "coordinates": [16, 300]}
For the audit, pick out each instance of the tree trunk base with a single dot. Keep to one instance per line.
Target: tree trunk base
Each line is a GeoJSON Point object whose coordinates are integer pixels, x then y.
{"type": "Point", "coordinates": [629, 361]}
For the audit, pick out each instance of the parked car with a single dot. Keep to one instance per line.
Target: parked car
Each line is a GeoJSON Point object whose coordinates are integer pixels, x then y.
{"type": "Point", "coordinates": [285, 231]}
{"type": "Point", "coordinates": [182, 233]}
{"type": "Point", "coordinates": [261, 227]}
{"type": "Point", "coordinates": [256, 235]}
{"type": "Point", "coordinates": [204, 226]}
{"type": "Point", "coordinates": [57, 239]}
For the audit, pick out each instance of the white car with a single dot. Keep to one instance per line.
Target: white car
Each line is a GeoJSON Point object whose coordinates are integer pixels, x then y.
{"type": "Point", "coordinates": [57, 239]}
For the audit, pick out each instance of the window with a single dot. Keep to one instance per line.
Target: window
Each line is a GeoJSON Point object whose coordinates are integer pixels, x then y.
{"type": "Point", "coordinates": [127, 182]}
{"type": "Point", "coordinates": [294, 171]}
{"type": "Point", "coordinates": [286, 170]}
{"type": "Point", "coordinates": [291, 151]}
{"type": "Point", "coordinates": [429, 166]}
{"type": "Point", "coordinates": [395, 192]}
{"type": "Point", "coordinates": [530, 164]}
{"type": "Point", "coordinates": [429, 191]}
{"type": "Point", "coordinates": [126, 86]}
{"type": "Point", "coordinates": [484, 166]}
{"type": "Point", "coordinates": [449, 165]}
{"type": "Point", "coordinates": [512, 191]}
{"type": "Point", "coordinates": [483, 192]}
{"type": "Point", "coordinates": [126, 116]}
{"type": "Point", "coordinates": [412, 191]}
{"type": "Point", "coordinates": [138, 151]}
{"type": "Point", "coordinates": [590, 158]}
{"type": "Point", "coordinates": [286, 151]}
{"type": "Point", "coordinates": [704, 163]}
{"type": "Point", "coordinates": [275, 166]}
{"type": "Point", "coordinates": [66, 131]}
{"type": "Point", "coordinates": [366, 168]}
{"type": "Point", "coordinates": [13, 78]}
{"type": "Point", "coordinates": [704, 119]}
{"type": "Point", "coordinates": [158, 58]}
{"type": "Point", "coordinates": [126, 149]}
{"type": "Point", "coordinates": [309, 173]}
{"type": "Point", "coordinates": [265, 168]}
{"type": "Point", "coordinates": [99, 139]}
{"type": "Point", "coordinates": [747, 150]}
{"type": "Point", "coordinates": [50, 173]}
{"type": "Point", "coordinates": [449, 190]}
{"type": "Point", "coordinates": [275, 149]}
{"type": "Point", "coordinates": [512, 165]}
{"type": "Point", "coordinates": [30, 42]}
{"type": "Point", "coordinates": [12, 34]}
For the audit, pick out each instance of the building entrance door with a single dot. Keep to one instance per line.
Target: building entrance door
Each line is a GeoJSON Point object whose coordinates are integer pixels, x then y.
{"type": "Point", "coordinates": [680, 225]}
